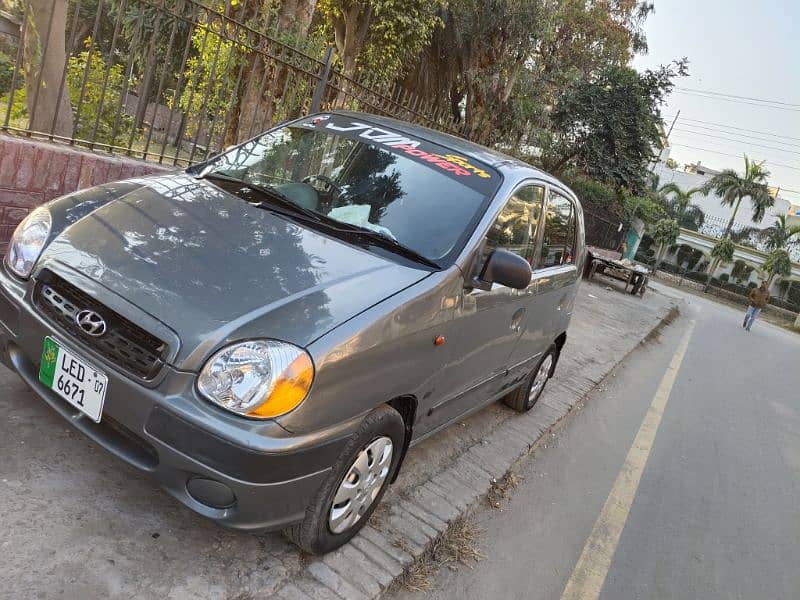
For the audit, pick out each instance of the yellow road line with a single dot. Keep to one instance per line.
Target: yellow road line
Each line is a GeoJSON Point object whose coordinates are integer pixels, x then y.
{"type": "Point", "coordinates": [590, 572]}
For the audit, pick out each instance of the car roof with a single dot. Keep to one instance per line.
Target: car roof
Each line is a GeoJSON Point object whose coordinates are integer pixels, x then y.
{"type": "Point", "coordinates": [509, 167]}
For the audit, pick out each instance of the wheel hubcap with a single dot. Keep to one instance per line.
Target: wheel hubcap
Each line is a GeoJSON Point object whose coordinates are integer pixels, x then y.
{"type": "Point", "coordinates": [541, 378]}
{"type": "Point", "coordinates": [361, 484]}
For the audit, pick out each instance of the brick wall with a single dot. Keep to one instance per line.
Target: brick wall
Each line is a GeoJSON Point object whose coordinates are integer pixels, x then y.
{"type": "Point", "coordinates": [33, 172]}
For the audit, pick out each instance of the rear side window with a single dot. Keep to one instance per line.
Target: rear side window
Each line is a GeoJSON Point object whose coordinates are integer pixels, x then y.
{"type": "Point", "coordinates": [558, 246]}
{"type": "Point", "coordinates": [515, 227]}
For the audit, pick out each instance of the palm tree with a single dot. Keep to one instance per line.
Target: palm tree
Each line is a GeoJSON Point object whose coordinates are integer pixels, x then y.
{"type": "Point", "coordinates": [679, 206]}
{"type": "Point", "coordinates": [665, 232]}
{"type": "Point", "coordinates": [778, 263]}
{"type": "Point", "coordinates": [733, 188]}
{"type": "Point", "coordinates": [779, 235]}
{"type": "Point", "coordinates": [744, 236]}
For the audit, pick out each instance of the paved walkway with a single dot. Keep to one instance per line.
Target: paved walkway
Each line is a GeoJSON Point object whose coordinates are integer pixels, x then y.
{"type": "Point", "coordinates": [78, 523]}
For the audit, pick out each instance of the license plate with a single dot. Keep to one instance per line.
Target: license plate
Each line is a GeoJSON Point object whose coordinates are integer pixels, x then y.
{"type": "Point", "coordinates": [74, 379]}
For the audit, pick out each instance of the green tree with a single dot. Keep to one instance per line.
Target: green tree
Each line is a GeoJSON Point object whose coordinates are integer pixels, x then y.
{"type": "Point", "coordinates": [260, 94]}
{"type": "Point", "coordinates": [678, 204]}
{"type": "Point", "coordinates": [688, 255]}
{"type": "Point", "coordinates": [741, 271]}
{"type": "Point", "coordinates": [45, 59]}
{"type": "Point", "coordinates": [733, 188]}
{"type": "Point", "coordinates": [779, 234]}
{"type": "Point", "coordinates": [608, 126]}
{"type": "Point", "coordinates": [203, 95]}
{"type": "Point", "coordinates": [98, 98]}
{"type": "Point", "coordinates": [378, 35]}
{"type": "Point", "coordinates": [665, 233]}
{"type": "Point", "coordinates": [7, 66]}
{"type": "Point", "coordinates": [641, 207]}
{"type": "Point", "coordinates": [744, 236]}
{"type": "Point", "coordinates": [778, 263]}
{"type": "Point", "coordinates": [498, 66]}
{"type": "Point", "coordinates": [722, 252]}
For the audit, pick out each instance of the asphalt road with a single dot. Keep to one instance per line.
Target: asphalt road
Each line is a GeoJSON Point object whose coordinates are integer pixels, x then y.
{"type": "Point", "coordinates": [706, 501]}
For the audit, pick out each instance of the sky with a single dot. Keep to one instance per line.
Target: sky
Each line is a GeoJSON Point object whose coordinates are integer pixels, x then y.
{"type": "Point", "coordinates": [740, 48]}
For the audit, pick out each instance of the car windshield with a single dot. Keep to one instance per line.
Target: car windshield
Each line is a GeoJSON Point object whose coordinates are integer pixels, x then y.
{"type": "Point", "coordinates": [418, 194]}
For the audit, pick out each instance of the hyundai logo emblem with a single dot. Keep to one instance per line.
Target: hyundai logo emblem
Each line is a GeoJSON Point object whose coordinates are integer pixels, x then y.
{"type": "Point", "coordinates": [91, 323]}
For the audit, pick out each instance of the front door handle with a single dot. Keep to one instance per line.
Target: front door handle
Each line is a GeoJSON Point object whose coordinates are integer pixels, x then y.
{"type": "Point", "coordinates": [517, 319]}
{"type": "Point", "coordinates": [564, 303]}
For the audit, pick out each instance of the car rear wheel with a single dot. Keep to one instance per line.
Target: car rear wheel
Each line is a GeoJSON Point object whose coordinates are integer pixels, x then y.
{"type": "Point", "coordinates": [525, 397]}
{"type": "Point", "coordinates": [354, 486]}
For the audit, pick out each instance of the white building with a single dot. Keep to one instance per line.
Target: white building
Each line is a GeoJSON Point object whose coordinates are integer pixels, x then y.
{"type": "Point", "coordinates": [716, 214]}
{"type": "Point", "coordinates": [711, 204]}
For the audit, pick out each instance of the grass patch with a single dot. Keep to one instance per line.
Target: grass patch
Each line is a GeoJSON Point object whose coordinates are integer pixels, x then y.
{"type": "Point", "coordinates": [501, 489]}
{"type": "Point", "coordinates": [457, 546]}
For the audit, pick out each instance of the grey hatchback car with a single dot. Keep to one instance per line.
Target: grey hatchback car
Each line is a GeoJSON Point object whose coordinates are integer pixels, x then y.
{"type": "Point", "coordinates": [267, 333]}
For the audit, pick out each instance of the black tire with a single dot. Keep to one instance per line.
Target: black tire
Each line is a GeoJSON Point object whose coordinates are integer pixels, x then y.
{"type": "Point", "coordinates": [313, 534]}
{"type": "Point", "coordinates": [520, 399]}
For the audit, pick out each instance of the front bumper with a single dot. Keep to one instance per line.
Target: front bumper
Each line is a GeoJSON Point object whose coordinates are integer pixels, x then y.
{"type": "Point", "coordinates": [242, 474]}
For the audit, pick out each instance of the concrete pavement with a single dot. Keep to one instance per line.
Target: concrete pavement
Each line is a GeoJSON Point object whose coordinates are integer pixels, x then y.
{"type": "Point", "coordinates": [716, 513]}
{"type": "Point", "coordinates": [78, 523]}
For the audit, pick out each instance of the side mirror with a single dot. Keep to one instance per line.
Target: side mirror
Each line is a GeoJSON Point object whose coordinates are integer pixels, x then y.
{"type": "Point", "coordinates": [505, 268]}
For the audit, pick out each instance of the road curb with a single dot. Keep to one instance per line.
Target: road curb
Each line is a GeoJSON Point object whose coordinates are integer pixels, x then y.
{"type": "Point", "coordinates": [407, 528]}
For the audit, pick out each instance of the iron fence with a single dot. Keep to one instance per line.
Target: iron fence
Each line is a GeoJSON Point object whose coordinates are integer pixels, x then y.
{"type": "Point", "coordinates": [786, 297]}
{"type": "Point", "coordinates": [745, 235]}
{"type": "Point", "coordinates": [171, 81]}
{"type": "Point", "coordinates": [602, 232]}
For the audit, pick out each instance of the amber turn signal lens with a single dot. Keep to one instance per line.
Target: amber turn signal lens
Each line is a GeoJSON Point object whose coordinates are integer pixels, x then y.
{"type": "Point", "coordinates": [289, 390]}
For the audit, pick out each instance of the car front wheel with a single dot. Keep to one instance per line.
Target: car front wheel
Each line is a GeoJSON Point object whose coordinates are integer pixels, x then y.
{"type": "Point", "coordinates": [354, 486]}
{"type": "Point", "coordinates": [523, 398]}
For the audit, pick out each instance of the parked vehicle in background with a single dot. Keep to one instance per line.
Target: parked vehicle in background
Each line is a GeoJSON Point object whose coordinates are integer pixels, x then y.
{"type": "Point", "coordinates": [267, 333]}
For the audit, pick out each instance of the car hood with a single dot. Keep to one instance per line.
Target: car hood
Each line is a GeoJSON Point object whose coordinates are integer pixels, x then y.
{"type": "Point", "coordinates": [215, 269]}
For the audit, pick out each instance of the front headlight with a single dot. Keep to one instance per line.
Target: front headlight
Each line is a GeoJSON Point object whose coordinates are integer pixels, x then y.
{"type": "Point", "coordinates": [259, 378]}
{"type": "Point", "coordinates": [28, 242]}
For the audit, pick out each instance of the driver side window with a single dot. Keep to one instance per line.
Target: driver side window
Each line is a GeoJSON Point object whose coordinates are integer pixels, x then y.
{"type": "Point", "coordinates": [516, 225]}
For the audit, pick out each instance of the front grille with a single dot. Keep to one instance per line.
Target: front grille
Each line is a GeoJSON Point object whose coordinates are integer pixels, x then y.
{"type": "Point", "coordinates": [124, 344]}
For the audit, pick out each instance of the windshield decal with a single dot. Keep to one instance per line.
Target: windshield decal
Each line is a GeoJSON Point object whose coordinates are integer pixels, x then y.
{"type": "Point", "coordinates": [375, 134]}
{"type": "Point", "coordinates": [444, 159]}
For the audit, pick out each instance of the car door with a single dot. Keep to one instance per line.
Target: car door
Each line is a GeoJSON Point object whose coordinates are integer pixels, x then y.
{"type": "Point", "coordinates": [552, 288]}
{"type": "Point", "coordinates": [488, 324]}
{"type": "Point", "coordinates": [555, 272]}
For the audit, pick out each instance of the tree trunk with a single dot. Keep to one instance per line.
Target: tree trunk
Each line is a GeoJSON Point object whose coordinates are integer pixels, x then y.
{"type": "Point", "coordinates": [295, 16]}
{"type": "Point", "coordinates": [255, 106]}
{"type": "Point", "coordinates": [45, 61]}
{"type": "Point", "coordinates": [350, 32]}
{"type": "Point", "coordinates": [252, 104]}
{"type": "Point", "coordinates": [659, 256]}
{"type": "Point", "coordinates": [146, 87]}
{"type": "Point", "coordinates": [711, 268]}
{"type": "Point", "coordinates": [733, 218]}
{"type": "Point", "coordinates": [725, 235]}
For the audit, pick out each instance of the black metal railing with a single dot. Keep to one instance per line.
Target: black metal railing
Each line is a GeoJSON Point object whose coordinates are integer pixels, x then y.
{"type": "Point", "coordinates": [602, 232]}
{"type": "Point", "coordinates": [171, 81]}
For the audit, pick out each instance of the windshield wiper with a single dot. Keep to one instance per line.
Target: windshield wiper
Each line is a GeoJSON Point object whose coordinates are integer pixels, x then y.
{"type": "Point", "coordinates": [274, 194]}
{"type": "Point", "coordinates": [387, 242]}
{"type": "Point", "coordinates": [284, 202]}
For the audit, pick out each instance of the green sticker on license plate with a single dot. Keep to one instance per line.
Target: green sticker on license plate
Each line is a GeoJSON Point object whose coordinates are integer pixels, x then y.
{"type": "Point", "coordinates": [73, 378]}
{"type": "Point", "coordinates": [47, 371]}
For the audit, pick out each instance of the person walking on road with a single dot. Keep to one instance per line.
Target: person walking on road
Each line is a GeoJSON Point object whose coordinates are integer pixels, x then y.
{"type": "Point", "coordinates": [758, 299]}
